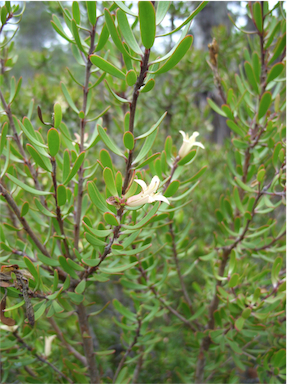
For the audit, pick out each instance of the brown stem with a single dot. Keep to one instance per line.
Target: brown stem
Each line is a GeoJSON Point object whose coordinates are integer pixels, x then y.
{"type": "Point", "coordinates": [139, 83]}
{"type": "Point", "coordinates": [58, 209]}
{"type": "Point", "coordinates": [27, 228]}
{"type": "Point", "coordinates": [128, 350]}
{"type": "Point", "coordinates": [138, 366]}
{"type": "Point", "coordinates": [40, 358]}
{"type": "Point", "coordinates": [271, 243]}
{"type": "Point", "coordinates": [88, 344]}
{"type": "Point", "coordinates": [82, 134]}
{"type": "Point", "coordinates": [78, 356]}
{"type": "Point", "coordinates": [22, 220]}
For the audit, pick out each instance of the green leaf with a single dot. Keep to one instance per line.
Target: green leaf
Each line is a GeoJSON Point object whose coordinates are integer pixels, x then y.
{"type": "Point", "coordinates": [124, 311]}
{"type": "Point", "coordinates": [227, 111]}
{"type": "Point", "coordinates": [177, 55]}
{"type": "Point", "coordinates": [146, 147]}
{"type": "Point", "coordinates": [96, 197]}
{"type": "Point", "coordinates": [131, 77]}
{"type": "Point", "coordinates": [31, 268]}
{"type": "Point", "coordinates": [93, 240]}
{"type": "Point", "coordinates": [81, 287]}
{"type": "Point", "coordinates": [68, 98]}
{"type": "Point", "coordinates": [42, 209]}
{"type": "Point", "coordinates": [76, 167]}
{"type": "Point", "coordinates": [186, 159]}
{"type": "Point", "coordinates": [92, 11]}
{"type": "Point", "coordinates": [161, 11]}
{"type": "Point", "coordinates": [61, 194]}
{"type": "Point", "coordinates": [56, 24]}
{"type": "Point", "coordinates": [107, 67]}
{"type": "Point", "coordinates": [110, 181]}
{"type": "Point", "coordinates": [104, 36]}
{"type": "Point", "coordinates": [251, 76]}
{"type": "Point", "coordinates": [233, 280]}
{"type": "Point", "coordinates": [122, 376]}
{"type": "Point", "coordinates": [18, 305]}
{"type": "Point", "coordinates": [76, 12]}
{"type": "Point", "coordinates": [113, 31]}
{"type": "Point", "coordinates": [76, 298]}
{"type": "Point", "coordinates": [66, 164]}
{"type": "Point", "coordinates": [281, 44]}
{"type": "Point", "coordinates": [235, 128]}
{"type": "Point", "coordinates": [77, 36]}
{"type": "Point", "coordinates": [124, 8]}
{"type": "Point", "coordinates": [257, 14]}
{"type": "Point", "coordinates": [120, 99]}
{"type": "Point", "coordinates": [274, 72]}
{"type": "Point", "coordinates": [108, 141]}
{"type": "Point", "coordinates": [57, 115]}
{"type": "Point", "coordinates": [67, 268]}
{"type": "Point", "coordinates": [127, 32]}
{"type": "Point", "coordinates": [148, 160]}
{"type": "Point", "coordinates": [47, 260]}
{"type": "Point", "coordinates": [147, 23]}
{"type": "Point", "coordinates": [243, 186]}
{"type": "Point", "coordinates": [153, 128]}
{"type": "Point", "coordinates": [264, 104]}
{"type": "Point", "coordinates": [40, 311]}
{"type": "Point", "coordinates": [128, 140]}
{"type": "Point", "coordinates": [25, 208]}
{"type": "Point", "coordinates": [172, 188]}
{"type": "Point", "coordinates": [30, 133]}
{"type": "Point", "coordinates": [215, 107]}
{"type": "Point", "coordinates": [53, 139]}
{"type": "Point", "coordinates": [148, 86]}
{"type": "Point", "coordinates": [26, 187]}
{"type": "Point", "coordinates": [75, 266]}
{"type": "Point", "coordinates": [188, 20]}
{"type": "Point", "coordinates": [14, 90]}
{"type": "Point", "coordinates": [105, 353]}
{"type": "Point", "coordinates": [275, 271]}
{"type": "Point", "coordinates": [111, 219]}
{"type": "Point", "coordinates": [3, 136]}
{"type": "Point", "coordinates": [239, 323]}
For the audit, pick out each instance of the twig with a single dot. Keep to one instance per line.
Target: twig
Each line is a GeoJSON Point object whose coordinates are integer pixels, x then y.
{"type": "Point", "coordinates": [82, 134]}
{"type": "Point", "coordinates": [271, 243]}
{"type": "Point", "coordinates": [88, 344]}
{"type": "Point", "coordinates": [128, 350]}
{"type": "Point", "coordinates": [40, 246]}
{"type": "Point", "coordinates": [58, 209]}
{"type": "Point", "coordinates": [40, 358]}
{"type": "Point", "coordinates": [22, 220]}
{"type": "Point", "coordinates": [139, 83]}
{"type": "Point", "coordinates": [78, 356]}
{"type": "Point", "coordinates": [138, 366]}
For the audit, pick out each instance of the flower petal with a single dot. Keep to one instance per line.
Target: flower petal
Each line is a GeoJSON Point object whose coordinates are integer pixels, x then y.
{"type": "Point", "coordinates": [141, 183]}
{"type": "Point", "coordinates": [160, 197]}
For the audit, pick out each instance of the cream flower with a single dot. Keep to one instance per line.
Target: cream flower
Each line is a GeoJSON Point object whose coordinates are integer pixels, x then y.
{"type": "Point", "coordinates": [188, 143]}
{"type": "Point", "coordinates": [48, 344]}
{"type": "Point", "coordinates": [147, 194]}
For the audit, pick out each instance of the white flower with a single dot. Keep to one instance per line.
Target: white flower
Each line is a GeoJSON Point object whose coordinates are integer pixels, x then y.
{"type": "Point", "coordinates": [48, 344]}
{"type": "Point", "coordinates": [147, 194]}
{"type": "Point", "coordinates": [188, 143]}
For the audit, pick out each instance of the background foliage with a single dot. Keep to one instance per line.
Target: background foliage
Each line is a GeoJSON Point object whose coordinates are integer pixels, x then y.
{"type": "Point", "coordinates": [188, 292]}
